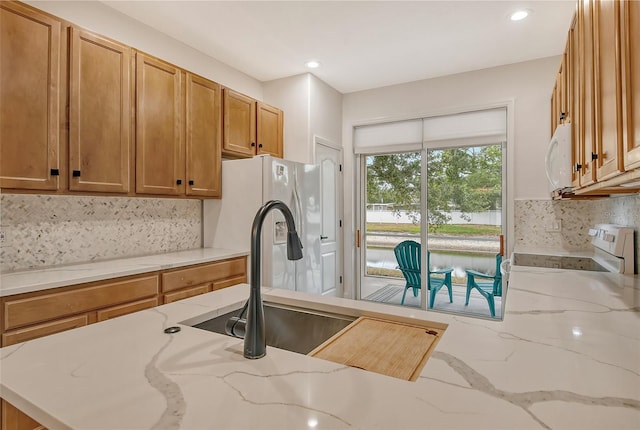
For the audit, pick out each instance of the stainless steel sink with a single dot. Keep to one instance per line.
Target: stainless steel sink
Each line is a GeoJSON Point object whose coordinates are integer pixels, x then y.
{"type": "Point", "coordinates": [287, 327]}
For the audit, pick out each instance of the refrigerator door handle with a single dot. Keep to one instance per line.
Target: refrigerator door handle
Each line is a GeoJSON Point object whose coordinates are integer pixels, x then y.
{"type": "Point", "coordinates": [298, 205]}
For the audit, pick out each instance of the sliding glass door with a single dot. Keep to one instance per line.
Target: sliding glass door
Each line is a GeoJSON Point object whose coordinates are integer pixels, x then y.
{"type": "Point", "coordinates": [446, 196]}
{"type": "Point", "coordinates": [391, 216]}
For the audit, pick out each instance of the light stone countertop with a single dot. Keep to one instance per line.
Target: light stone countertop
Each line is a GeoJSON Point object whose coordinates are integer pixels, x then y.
{"type": "Point", "coordinates": [60, 276]}
{"type": "Point", "coordinates": [566, 356]}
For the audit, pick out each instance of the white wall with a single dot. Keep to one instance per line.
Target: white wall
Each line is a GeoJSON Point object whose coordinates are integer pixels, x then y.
{"type": "Point", "coordinates": [528, 84]}
{"type": "Point", "coordinates": [292, 96]}
{"type": "Point", "coordinates": [311, 107]}
{"type": "Point", "coordinates": [99, 18]}
{"type": "Point", "coordinates": [326, 111]}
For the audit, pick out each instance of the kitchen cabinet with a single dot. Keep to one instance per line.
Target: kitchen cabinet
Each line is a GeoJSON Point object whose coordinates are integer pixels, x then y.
{"type": "Point", "coordinates": [630, 81]}
{"type": "Point", "coordinates": [31, 315]}
{"type": "Point", "coordinates": [99, 114]}
{"type": "Point", "coordinates": [270, 124]}
{"type": "Point", "coordinates": [602, 95]}
{"type": "Point", "coordinates": [203, 137]}
{"type": "Point", "coordinates": [14, 419]}
{"type": "Point", "coordinates": [159, 133]}
{"type": "Point", "coordinates": [387, 347]}
{"type": "Point", "coordinates": [573, 99]}
{"type": "Point", "coordinates": [587, 130]}
{"type": "Point", "coordinates": [188, 282]}
{"type": "Point", "coordinates": [32, 54]}
{"type": "Point", "coordinates": [607, 90]}
{"type": "Point", "coordinates": [239, 124]}
{"type": "Point", "coordinates": [250, 127]}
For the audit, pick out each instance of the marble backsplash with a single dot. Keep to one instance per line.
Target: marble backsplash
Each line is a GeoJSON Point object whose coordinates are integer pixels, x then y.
{"type": "Point", "coordinates": [535, 218]}
{"type": "Point", "coordinates": [45, 230]}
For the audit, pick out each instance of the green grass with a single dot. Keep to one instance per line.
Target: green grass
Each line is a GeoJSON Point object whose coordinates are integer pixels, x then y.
{"type": "Point", "coordinates": [446, 229]}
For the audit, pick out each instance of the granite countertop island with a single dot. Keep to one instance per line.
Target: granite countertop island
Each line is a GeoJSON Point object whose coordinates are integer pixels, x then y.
{"type": "Point", "coordinates": [566, 356]}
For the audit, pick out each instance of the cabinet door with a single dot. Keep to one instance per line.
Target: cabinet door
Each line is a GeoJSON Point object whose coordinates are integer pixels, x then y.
{"type": "Point", "coordinates": [574, 106]}
{"type": "Point", "coordinates": [607, 89]}
{"type": "Point", "coordinates": [587, 120]}
{"type": "Point", "coordinates": [269, 129]}
{"type": "Point", "coordinates": [239, 116]}
{"type": "Point", "coordinates": [630, 35]}
{"type": "Point", "coordinates": [30, 53]}
{"type": "Point", "coordinates": [99, 114]}
{"type": "Point", "coordinates": [204, 137]}
{"type": "Point", "coordinates": [159, 147]}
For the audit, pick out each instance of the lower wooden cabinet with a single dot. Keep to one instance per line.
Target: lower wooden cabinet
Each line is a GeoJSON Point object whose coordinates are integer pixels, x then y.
{"type": "Point", "coordinates": [14, 419]}
{"type": "Point", "coordinates": [191, 281]}
{"type": "Point", "coordinates": [32, 315]}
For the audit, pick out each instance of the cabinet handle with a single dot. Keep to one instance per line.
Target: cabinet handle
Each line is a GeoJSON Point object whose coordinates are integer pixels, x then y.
{"type": "Point", "coordinates": [179, 182]}
{"type": "Point", "coordinates": [55, 172]}
{"type": "Point", "coordinates": [76, 173]}
{"type": "Point", "coordinates": [260, 146]}
{"type": "Point", "coordinates": [323, 237]}
{"type": "Point", "coordinates": [253, 144]}
{"type": "Point", "coordinates": [578, 167]}
{"type": "Point", "coordinates": [594, 156]}
{"type": "Point", "coordinates": [563, 115]}
{"type": "Point", "coordinates": [191, 182]}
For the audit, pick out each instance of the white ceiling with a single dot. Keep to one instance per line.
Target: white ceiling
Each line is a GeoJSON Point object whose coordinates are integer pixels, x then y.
{"type": "Point", "coordinates": [360, 44]}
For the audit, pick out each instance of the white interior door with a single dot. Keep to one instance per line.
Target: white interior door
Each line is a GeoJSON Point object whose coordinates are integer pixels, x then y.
{"type": "Point", "coordinates": [329, 158]}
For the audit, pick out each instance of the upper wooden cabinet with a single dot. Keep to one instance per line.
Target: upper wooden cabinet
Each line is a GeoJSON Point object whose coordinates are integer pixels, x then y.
{"type": "Point", "coordinates": [607, 89]}
{"type": "Point", "coordinates": [99, 114]}
{"type": "Point", "coordinates": [586, 133]}
{"type": "Point", "coordinates": [203, 137]}
{"type": "Point", "coordinates": [80, 113]}
{"type": "Point", "coordinates": [630, 80]}
{"type": "Point", "coordinates": [30, 94]}
{"type": "Point", "coordinates": [250, 127]}
{"type": "Point", "coordinates": [270, 130]}
{"type": "Point", "coordinates": [602, 96]}
{"type": "Point", "coordinates": [159, 134]}
{"type": "Point", "coordinates": [239, 139]}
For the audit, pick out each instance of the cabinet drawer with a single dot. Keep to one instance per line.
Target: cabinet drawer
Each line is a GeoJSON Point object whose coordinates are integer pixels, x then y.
{"type": "Point", "coordinates": [127, 308]}
{"type": "Point", "coordinates": [40, 330]}
{"type": "Point", "coordinates": [218, 285]}
{"type": "Point", "coordinates": [34, 309]}
{"type": "Point", "coordinates": [182, 278]}
{"type": "Point", "coordinates": [189, 292]}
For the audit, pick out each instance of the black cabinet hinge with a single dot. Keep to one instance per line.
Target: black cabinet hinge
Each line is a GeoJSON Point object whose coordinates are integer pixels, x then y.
{"type": "Point", "coordinates": [341, 279]}
{"type": "Point", "coordinates": [341, 167]}
{"type": "Point", "coordinates": [340, 223]}
{"type": "Point", "coordinates": [594, 156]}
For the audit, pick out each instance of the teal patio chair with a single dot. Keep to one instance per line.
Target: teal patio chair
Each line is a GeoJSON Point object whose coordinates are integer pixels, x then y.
{"type": "Point", "coordinates": [408, 255]}
{"type": "Point", "coordinates": [489, 286]}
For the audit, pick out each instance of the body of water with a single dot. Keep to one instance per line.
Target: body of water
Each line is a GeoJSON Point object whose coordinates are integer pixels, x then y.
{"type": "Point", "coordinates": [485, 263]}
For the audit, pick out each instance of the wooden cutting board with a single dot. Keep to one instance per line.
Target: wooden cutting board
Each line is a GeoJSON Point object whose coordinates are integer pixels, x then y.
{"type": "Point", "coordinates": [387, 347]}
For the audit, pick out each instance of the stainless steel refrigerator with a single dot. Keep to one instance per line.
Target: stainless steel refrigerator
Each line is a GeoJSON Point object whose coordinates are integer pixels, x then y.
{"type": "Point", "coordinates": [246, 185]}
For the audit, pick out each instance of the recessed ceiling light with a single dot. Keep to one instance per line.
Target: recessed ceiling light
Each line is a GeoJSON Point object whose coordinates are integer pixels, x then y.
{"type": "Point", "coordinates": [519, 15]}
{"type": "Point", "coordinates": [313, 64]}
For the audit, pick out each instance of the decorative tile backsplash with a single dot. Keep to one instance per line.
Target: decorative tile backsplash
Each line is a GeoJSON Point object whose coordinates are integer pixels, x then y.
{"type": "Point", "coordinates": [534, 219]}
{"type": "Point", "coordinates": [45, 230]}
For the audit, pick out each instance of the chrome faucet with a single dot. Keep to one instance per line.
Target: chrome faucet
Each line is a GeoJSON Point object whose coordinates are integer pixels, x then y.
{"type": "Point", "coordinates": [253, 327]}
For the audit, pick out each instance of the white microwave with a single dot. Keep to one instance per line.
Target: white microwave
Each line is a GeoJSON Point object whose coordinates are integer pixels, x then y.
{"type": "Point", "coordinates": [558, 159]}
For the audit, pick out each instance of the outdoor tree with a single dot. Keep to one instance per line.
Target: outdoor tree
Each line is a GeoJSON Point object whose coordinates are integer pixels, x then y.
{"type": "Point", "coordinates": [463, 179]}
